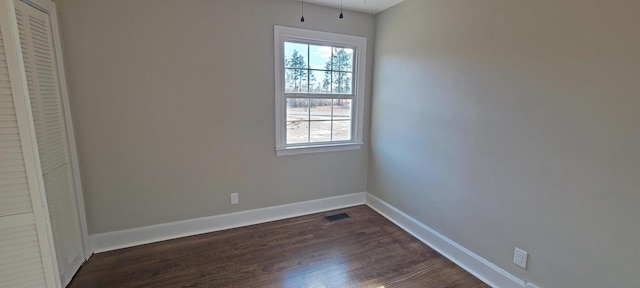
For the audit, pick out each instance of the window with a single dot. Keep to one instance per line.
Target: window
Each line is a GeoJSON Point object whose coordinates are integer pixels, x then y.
{"type": "Point", "coordinates": [319, 91]}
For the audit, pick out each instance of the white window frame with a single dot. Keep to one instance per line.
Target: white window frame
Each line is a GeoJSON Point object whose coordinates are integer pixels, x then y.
{"type": "Point", "coordinates": [359, 44]}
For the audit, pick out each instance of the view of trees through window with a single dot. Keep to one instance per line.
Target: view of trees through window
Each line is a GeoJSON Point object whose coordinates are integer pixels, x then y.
{"type": "Point", "coordinates": [324, 71]}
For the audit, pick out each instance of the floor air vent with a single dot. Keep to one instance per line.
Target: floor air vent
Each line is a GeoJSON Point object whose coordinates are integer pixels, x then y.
{"type": "Point", "coordinates": [337, 217]}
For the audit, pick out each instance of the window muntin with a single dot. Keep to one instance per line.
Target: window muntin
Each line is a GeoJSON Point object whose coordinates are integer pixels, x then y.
{"type": "Point", "coordinates": [319, 85]}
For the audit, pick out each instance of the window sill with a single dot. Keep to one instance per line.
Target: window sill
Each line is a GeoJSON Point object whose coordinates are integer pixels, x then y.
{"type": "Point", "coordinates": [317, 149]}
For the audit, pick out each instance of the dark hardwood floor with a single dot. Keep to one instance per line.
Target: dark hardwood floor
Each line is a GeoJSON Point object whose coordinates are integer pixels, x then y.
{"type": "Point", "coordinates": [365, 250]}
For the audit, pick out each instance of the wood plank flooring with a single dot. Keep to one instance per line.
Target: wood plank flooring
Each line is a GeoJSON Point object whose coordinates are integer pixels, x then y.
{"type": "Point", "coordinates": [365, 250]}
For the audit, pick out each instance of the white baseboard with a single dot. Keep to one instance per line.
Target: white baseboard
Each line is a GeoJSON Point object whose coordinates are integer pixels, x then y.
{"type": "Point", "coordinates": [149, 234]}
{"type": "Point", "coordinates": [463, 257]}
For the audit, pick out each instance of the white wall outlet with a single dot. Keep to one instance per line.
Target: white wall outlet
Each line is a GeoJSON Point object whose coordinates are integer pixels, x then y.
{"type": "Point", "coordinates": [520, 258]}
{"type": "Point", "coordinates": [234, 198]}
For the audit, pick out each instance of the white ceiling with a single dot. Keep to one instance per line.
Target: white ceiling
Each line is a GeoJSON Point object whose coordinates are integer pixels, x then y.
{"type": "Point", "coordinates": [366, 6]}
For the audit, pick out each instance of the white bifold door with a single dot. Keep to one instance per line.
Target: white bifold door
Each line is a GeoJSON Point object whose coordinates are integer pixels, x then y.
{"type": "Point", "coordinates": [48, 111]}
{"type": "Point", "coordinates": [42, 226]}
{"type": "Point", "coordinates": [25, 250]}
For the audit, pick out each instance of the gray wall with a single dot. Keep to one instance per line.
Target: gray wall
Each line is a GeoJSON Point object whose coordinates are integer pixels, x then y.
{"type": "Point", "coordinates": [505, 123]}
{"type": "Point", "coordinates": [173, 106]}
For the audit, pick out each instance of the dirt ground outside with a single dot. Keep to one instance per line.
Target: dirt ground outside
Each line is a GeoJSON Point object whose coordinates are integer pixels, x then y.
{"type": "Point", "coordinates": [318, 124]}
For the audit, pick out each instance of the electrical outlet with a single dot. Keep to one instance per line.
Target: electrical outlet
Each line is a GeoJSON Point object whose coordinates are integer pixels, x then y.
{"type": "Point", "coordinates": [234, 198]}
{"type": "Point", "coordinates": [520, 258]}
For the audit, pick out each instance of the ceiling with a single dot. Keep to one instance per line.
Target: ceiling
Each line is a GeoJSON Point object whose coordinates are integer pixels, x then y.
{"type": "Point", "coordinates": [366, 6]}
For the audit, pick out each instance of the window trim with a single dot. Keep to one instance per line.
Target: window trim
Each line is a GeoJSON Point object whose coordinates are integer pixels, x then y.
{"type": "Point", "coordinates": [359, 44]}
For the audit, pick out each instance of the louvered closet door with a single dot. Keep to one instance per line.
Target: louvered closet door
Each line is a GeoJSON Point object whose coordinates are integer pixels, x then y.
{"type": "Point", "coordinates": [14, 192]}
{"type": "Point", "coordinates": [20, 260]}
{"type": "Point", "coordinates": [24, 246]}
{"type": "Point", "coordinates": [51, 133]}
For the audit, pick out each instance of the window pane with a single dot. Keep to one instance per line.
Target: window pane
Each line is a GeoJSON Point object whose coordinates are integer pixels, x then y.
{"type": "Point", "coordinates": [320, 57]}
{"type": "Point", "coordinates": [297, 109]}
{"type": "Point", "coordinates": [295, 55]}
{"type": "Point", "coordinates": [341, 130]}
{"type": "Point", "coordinates": [296, 81]}
{"type": "Point", "coordinates": [320, 109]}
{"type": "Point", "coordinates": [320, 82]}
{"type": "Point", "coordinates": [342, 59]}
{"type": "Point", "coordinates": [297, 132]}
{"type": "Point", "coordinates": [342, 82]}
{"type": "Point", "coordinates": [320, 131]}
{"type": "Point", "coordinates": [341, 109]}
